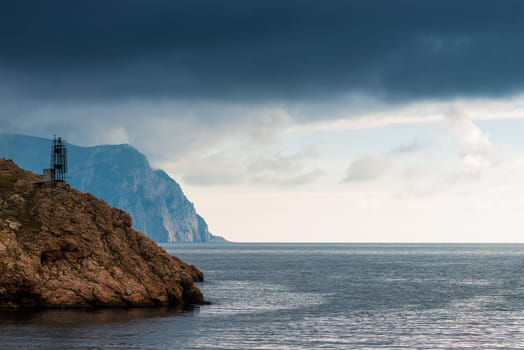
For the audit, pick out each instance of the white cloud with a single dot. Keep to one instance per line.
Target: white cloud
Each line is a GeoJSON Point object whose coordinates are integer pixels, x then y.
{"type": "Point", "coordinates": [215, 169]}
{"type": "Point", "coordinates": [247, 164]}
{"type": "Point", "coordinates": [406, 148]}
{"type": "Point", "coordinates": [367, 168]}
{"type": "Point", "coordinates": [477, 152]}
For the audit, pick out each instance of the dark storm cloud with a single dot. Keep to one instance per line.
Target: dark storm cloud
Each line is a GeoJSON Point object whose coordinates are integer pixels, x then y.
{"type": "Point", "coordinates": [259, 50]}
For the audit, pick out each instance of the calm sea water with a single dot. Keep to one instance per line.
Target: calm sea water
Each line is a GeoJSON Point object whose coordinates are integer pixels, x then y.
{"type": "Point", "coordinates": [312, 296]}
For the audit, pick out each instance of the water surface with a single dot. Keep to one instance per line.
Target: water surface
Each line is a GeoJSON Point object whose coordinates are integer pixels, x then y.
{"type": "Point", "coordinates": [312, 296]}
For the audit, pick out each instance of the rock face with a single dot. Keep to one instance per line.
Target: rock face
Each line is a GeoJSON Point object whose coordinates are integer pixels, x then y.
{"type": "Point", "coordinates": [63, 248]}
{"type": "Point", "coordinates": [122, 176]}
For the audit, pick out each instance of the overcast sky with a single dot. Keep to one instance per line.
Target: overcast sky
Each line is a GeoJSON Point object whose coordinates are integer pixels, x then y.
{"type": "Point", "coordinates": [291, 120]}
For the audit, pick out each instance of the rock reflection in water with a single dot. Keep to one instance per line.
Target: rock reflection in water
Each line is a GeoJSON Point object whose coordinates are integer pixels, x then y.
{"type": "Point", "coordinates": [89, 316]}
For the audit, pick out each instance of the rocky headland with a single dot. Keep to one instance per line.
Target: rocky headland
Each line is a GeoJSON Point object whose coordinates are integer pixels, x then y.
{"type": "Point", "coordinates": [63, 248]}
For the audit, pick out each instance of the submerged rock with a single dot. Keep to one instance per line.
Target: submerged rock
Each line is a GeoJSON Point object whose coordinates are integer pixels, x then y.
{"type": "Point", "coordinates": [63, 248]}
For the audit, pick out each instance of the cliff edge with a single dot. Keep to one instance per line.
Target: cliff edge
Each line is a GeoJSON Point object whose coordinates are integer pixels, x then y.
{"type": "Point", "coordinates": [63, 248]}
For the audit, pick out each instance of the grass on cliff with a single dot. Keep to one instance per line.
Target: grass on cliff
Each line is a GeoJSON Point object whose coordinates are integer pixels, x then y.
{"type": "Point", "coordinates": [7, 184]}
{"type": "Point", "coordinates": [10, 185]}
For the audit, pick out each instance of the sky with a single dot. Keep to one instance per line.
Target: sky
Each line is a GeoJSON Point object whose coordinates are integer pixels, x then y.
{"type": "Point", "coordinates": [291, 121]}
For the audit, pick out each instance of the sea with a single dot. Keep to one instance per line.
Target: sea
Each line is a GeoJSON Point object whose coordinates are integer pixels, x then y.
{"type": "Point", "coordinates": [311, 296]}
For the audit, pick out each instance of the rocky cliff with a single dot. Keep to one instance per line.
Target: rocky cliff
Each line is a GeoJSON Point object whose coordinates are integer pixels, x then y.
{"type": "Point", "coordinates": [63, 248]}
{"type": "Point", "coordinates": [122, 176]}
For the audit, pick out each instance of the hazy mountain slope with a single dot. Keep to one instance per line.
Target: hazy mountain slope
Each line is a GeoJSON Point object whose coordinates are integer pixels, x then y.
{"type": "Point", "coordinates": [122, 176]}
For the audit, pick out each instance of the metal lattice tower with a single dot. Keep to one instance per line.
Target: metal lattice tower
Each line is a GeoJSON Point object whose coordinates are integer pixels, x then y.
{"type": "Point", "coordinates": [58, 160]}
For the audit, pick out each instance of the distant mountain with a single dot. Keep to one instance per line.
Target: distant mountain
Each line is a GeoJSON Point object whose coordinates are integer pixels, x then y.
{"type": "Point", "coordinates": [121, 176]}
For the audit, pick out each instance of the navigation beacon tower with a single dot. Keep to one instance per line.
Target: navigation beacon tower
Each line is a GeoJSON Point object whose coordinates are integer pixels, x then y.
{"type": "Point", "coordinates": [58, 169]}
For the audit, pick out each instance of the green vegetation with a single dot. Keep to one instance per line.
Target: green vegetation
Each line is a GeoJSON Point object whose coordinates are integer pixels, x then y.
{"type": "Point", "coordinates": [7, 183]}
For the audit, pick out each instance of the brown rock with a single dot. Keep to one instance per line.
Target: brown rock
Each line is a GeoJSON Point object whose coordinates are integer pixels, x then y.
{"type": "Point", "coordinates": [63, 248]}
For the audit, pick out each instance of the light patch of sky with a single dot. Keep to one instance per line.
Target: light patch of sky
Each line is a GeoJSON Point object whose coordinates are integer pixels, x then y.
{"type": "Point", "coordinates": [506, 133]}
{"type": "Point", "coordinates": [432, 196]}
{"type": "Point", "coordinates": [361, 217]}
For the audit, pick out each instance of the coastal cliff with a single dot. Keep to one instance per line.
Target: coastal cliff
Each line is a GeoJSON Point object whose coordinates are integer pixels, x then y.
{"type": "Point", "coordinates": [123, 177]}
{"type": "Point", "coordinates": [63, 248]}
